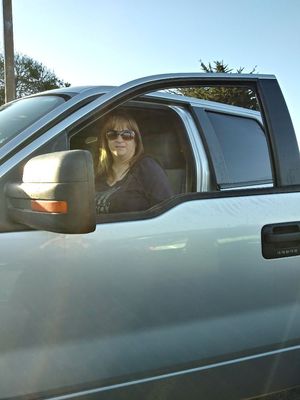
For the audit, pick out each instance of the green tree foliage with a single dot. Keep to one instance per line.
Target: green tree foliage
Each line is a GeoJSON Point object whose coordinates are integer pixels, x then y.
{"type": "Point", "coordinates": [31, 77]}
{"type": "Point", "coordinates": [230, 95]}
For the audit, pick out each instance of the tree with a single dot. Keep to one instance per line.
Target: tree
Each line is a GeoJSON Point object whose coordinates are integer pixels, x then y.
{"type": "Point", "coordinates": [230, 95]}
{"type": "Point", "coordinates": [31, 77]}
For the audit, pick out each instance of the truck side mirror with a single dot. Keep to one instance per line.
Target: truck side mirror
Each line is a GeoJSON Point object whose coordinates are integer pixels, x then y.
{"type": "Point", "coordinates": [57, 193]}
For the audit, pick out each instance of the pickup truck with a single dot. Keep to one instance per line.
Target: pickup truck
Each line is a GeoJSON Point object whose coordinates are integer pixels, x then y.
{"type": "Point", "coordinates": [195, 298]}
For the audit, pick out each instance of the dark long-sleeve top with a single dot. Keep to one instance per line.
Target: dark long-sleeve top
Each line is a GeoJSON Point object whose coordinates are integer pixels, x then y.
{"type": "Point", "coordinates": [145, 185]}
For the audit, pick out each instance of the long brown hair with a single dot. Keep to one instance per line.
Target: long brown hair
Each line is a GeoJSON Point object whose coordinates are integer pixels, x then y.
{"type": "Point", "coordinates": [114, 121]}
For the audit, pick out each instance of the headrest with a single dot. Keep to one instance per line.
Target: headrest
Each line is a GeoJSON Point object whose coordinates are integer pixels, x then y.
{"type": "Point", "coordinates": [165, 148]}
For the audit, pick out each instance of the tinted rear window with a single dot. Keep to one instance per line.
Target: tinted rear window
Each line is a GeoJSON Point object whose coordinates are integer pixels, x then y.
{"type": "Point", "coordinates": [244, 147]}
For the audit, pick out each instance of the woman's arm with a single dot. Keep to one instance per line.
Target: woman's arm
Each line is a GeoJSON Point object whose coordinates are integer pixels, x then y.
{"type": "Point", "coordinates": [154, 181]}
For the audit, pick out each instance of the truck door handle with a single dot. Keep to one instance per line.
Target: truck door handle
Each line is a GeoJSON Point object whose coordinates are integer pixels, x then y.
{"type": "Point", "coordinates": [281, 240]}
{"type": "Point", "coordinates": [282, 237]}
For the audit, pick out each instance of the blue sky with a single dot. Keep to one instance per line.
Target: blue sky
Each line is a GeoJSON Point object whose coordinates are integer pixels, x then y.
{"type": "Point", "coordinates": [111, 42]}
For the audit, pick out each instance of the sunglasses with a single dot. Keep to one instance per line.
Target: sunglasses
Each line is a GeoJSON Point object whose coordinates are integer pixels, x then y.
{"type": "Point", "coordinates": [125, 135]}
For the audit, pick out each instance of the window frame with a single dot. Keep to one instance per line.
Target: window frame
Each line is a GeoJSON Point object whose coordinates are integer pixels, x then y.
{"type": "Point", "coordinates": [185, 135]}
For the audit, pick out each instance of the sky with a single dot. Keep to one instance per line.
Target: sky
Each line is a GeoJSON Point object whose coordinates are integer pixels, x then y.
{"type": "Point", "coordinates": [110, 42]}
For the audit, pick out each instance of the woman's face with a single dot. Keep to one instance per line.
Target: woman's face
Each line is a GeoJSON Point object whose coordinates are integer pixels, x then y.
{"type": "Point", "coordinates": [120, 148]}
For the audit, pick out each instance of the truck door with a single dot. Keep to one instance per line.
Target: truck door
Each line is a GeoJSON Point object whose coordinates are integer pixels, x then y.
{"type": "Point", "coordinates": [180, 299]}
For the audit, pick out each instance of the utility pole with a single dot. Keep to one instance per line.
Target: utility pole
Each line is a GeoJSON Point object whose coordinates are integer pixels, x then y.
{"type": "Point", "coordinates": [9, 70]}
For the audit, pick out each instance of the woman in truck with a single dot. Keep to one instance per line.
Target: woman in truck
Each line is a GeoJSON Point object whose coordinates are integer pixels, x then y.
{"type": "Point", "coordinates": [127, 179]}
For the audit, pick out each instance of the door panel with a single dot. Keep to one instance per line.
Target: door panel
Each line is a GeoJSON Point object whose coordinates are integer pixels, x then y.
{"type": "Point", "coordinates": [138, 299]}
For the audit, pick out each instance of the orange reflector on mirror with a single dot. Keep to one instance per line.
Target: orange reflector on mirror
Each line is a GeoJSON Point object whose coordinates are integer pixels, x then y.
{"type": "Point", "coordinates": [49, 206]}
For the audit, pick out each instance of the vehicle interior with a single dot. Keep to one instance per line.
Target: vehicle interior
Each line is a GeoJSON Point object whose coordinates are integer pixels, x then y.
{"type": "Point", "coordinates": [164, 139]}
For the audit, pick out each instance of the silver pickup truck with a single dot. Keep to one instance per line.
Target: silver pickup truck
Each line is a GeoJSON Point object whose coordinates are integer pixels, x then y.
{"type": "Point", "coordinates": [195, 298]}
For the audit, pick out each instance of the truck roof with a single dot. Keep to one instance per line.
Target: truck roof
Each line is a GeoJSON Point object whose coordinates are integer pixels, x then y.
{"type": "Point", "coordinates": [161, 95]}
